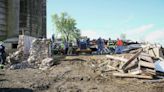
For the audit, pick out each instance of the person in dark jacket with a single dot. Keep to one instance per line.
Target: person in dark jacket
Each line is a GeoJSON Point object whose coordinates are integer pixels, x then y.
{"type": "Point", "coordinates": [66, 46]}
{"type": "Point", "coordinates": [2, 53]}
{"type": "Point", "coordinates": [100, 43]}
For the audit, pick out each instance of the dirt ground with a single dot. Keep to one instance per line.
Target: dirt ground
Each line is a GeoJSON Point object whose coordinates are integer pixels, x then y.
{"type": "Point", "coordinates": [72, 74]}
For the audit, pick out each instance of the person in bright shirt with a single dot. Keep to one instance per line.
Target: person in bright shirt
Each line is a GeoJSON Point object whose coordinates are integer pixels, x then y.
{"type": "Point", "coordinates": [119, 46]}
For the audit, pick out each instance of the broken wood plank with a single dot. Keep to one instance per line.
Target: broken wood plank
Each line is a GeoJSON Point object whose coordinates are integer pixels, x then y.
{"type": "Point", "coordinates": [132, 65]}
{"type": "Point", "coordinates": [160, 58]}
{"type": "Point", "coordinates": [149, 71]}
{"type": "Point", "coordinates": [145, 54]}
{"type": "Point", "coordinates": [131, 59]}
{"type": "Point", "coordinates": [136, 72]}
{"type": "Point", "coordinates": [132, 76]}
{"type": "Point", "coordinates": [146, 58]}
{"type": "Point", "coordinates": [116, 58]}
{"type": "Point", "coordinates": [146, 64]}
{"type": "Point", "coordinates": [114, 68]}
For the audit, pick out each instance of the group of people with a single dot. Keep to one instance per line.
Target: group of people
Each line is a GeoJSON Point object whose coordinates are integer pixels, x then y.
{"type": "Point", "coordinates": [101, 46]}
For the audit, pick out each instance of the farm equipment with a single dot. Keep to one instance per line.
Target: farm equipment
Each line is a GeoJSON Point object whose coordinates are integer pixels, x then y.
{"type": "Point", "coordinates": [83, 46]}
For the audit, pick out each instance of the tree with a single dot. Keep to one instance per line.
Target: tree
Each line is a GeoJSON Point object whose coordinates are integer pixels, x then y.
{"type": "Point", "coordinates": [66, 26]}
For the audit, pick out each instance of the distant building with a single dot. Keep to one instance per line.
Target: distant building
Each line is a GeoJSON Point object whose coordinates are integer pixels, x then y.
{"type": "Point", "coordinates": [22, 17]}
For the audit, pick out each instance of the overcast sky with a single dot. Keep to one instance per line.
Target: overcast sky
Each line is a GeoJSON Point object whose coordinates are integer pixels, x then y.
{"type": "Point", "coordinates": [138, 19]}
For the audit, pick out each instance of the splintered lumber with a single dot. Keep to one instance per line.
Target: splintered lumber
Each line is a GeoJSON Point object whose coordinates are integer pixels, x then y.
{"type": "Point", "coordinates": [156, 51]}
{"type": "Point", "coordinates": [146, 58]}
{"type": "Point", "coordinates": [152, 52]}
{"type": "Point", "coordinates": [116, 58]}
{"type": "Point", "coordinates": [132, 65]}
{"type": "Point", "coordinates": [160, 58]}
{"type": "Point", "coordinates": [135, 72]}
{"type": "Point", "coordinates": [149, 71]}
{"type": "Point", "coordinates": [131, 59]}
{"type": "Point", "coordinates": [147, 55]}
{"type": "Point", "coordinates": [132, 76]}
{"type": "Point", "coordinates": [146, 64]}
{"type": "Point", "coordinates": [114, 68]}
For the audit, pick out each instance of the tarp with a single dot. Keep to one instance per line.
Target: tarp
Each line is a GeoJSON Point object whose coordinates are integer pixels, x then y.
{"type": "Point", "coordinates": [159, 66]}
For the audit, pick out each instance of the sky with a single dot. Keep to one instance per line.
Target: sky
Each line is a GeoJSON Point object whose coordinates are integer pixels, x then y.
{"type": "Point", "coordinates": [140, 20]}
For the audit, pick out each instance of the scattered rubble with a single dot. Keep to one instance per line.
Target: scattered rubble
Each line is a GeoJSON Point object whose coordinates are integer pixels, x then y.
{"type": "Point", "coordinates": [38, 52]}
{"type": "Point", "coordinates": [140, 63]}
{"type": "Point", "coordinates": [38, 56]}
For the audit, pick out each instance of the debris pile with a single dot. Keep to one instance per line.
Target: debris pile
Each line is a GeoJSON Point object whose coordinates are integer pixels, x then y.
{"type": "Point", "coordinates": [18, 56]}
{"type": "Point", "coordinates": [138, 63]}
{"type": "Point", "coordinates": [39, 55]}
{"type": "Point", "coordinates": [39, 52]}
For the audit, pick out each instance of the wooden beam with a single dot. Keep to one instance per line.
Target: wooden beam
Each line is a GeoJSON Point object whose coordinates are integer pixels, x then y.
{"type": "Point", "coordinates": [131, 59]}
{"type": "Point", "coordinates": [116, 58]}
{"type": "Point", "coordinates": [114, 68]}
{"type": "Point", "coordinates": [147, 55]}
{"type": "Point", "coordinates": [146, 58]}
{"type": "Point", "coordinates": [132, 76]}
{"type": "Point", "coordinates": [149, 71]}
{"type": "Point", "coordinates": [132, 65]}
{"type": "Point", "coordinates": [146, 64]}
{"type": "Point", "coordinates": [136, 72]}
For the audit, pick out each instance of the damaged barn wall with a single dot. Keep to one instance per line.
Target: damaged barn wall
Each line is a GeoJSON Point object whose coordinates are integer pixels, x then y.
{"type": "Point", "coordinates": [32, 51]}
{"type": "Point", "coordinates": [25, 43]}
{"type": "Point", "coordinates": [3, 18]}
{"type": "Point", "coordinates": [33, 17]}
{"type": "Point", "coordinates": [13, 18]}
{"type": "Point", "coordinates": [22, 16]}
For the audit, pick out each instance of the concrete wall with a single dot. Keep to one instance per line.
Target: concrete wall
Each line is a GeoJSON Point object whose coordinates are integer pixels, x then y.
{"type": "Point", "coordinates": [35, 21]}
{"type": "Point", "coordinates": [3, 11]}
{"type": "Point", "coordinates": [13, 18]}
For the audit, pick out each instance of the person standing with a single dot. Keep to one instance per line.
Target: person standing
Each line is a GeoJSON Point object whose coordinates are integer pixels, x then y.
{"type": "Point", "coordinates": [70, 49]}
{"type": "Point", "coordinates": [100, 43]}
{"type": "Point", "coordinates": [65, 48]}
{"type": "Point", "coordinates": [119, 46]}
{"type": "Point", "coordinates": [2, 53]}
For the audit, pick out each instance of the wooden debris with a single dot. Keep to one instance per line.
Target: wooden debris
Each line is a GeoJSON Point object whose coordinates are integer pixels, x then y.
{"type": "Point", "coordinates": [116, 58]}
{"type": "Point", "coordinates": [140, 65]}
{"type": "Point", "coordinates": [132, 65]}
{"type": "Point", "coordinates": [146, 64]}
{"type": "Point", "coordinates": [147, 55]}
{"type": "Point", "coordinates": [146, 58]}
{"type": "Point", "coordinates": [136, 72]}
{"type": "Point", "coordinates": [149, 71]}
{"type": "Point", "coordinates": [132, 76]}
{"type": "Point", "coordinates": [114, 68]}
{"type": "Point", "coordinates": [131, 59]}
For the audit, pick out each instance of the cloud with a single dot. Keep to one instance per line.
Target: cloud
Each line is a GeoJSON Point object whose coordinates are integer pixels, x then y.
{"type": "Point", "coordinates": [156, 36]}
{"type": "Point", "coordinates": [140, 29]}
